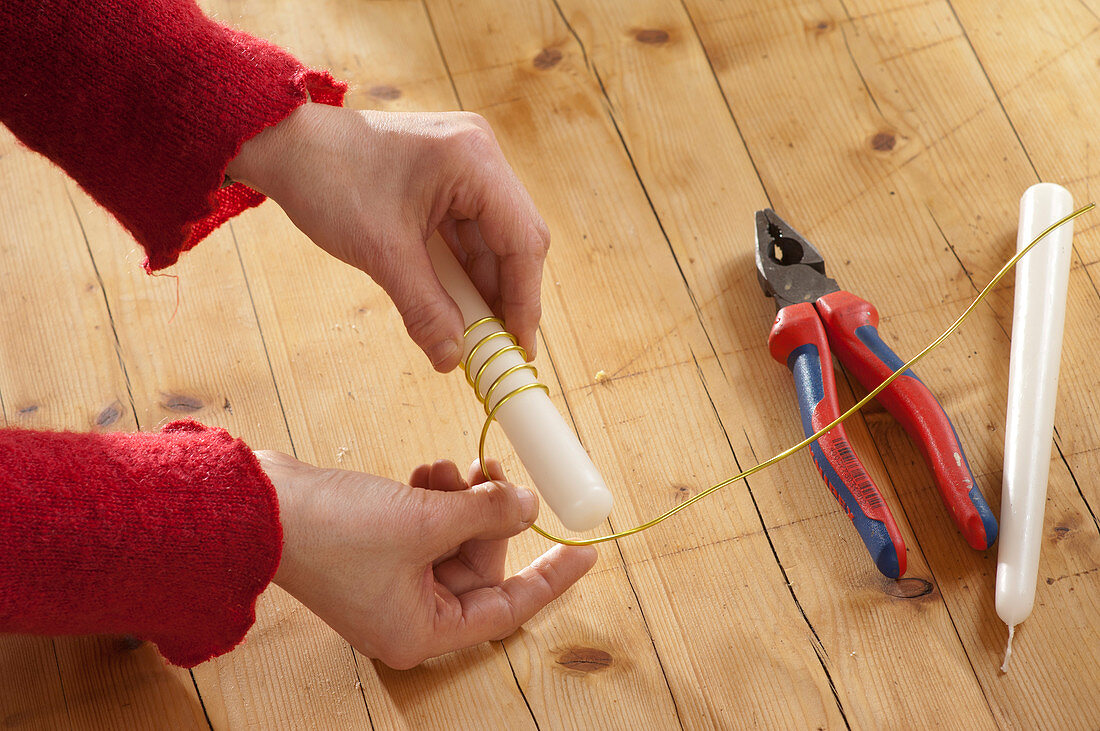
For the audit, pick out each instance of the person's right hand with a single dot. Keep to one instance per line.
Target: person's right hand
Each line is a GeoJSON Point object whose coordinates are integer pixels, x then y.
{"type": "Point", "coordinates": [370, 188]}
{"type": "Point", "coordinates": [408, 572]}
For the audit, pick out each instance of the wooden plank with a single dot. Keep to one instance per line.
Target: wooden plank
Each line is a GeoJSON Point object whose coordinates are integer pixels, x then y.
{"type": "Point", "coordinates": [700, 197]}
{"type": "Point", "coordinates": [1036, 65]}
{"type": "Point", "coordinates": [357, 395]}
{"type": "Point", "coordinates": [207, 361]}
{"type": "Point", "coordinates": [887, 135]}
{"type": "Point", "coordinates": [325, 323]}
{"type": "Point", "coordinates": [535, 88]}
{"type": "Point", "coordinates": [1041, 78]}
{"type": "Point", "coordinates": [1050, 656]}
{"type": "Point", "coordinates": [35, 696]}
{"type": "Point", "coordinates": [212, 365]}
{"type": "Point", "coordinates": [953, 165]}
{"type": "Point", "coordinates": [32, 696]}
{"type": "Point", "coordinates": [59, 369]}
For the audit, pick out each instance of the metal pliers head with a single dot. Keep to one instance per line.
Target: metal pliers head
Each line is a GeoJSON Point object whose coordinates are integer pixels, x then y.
{"type": "Point", "coordinates": [789, 268]}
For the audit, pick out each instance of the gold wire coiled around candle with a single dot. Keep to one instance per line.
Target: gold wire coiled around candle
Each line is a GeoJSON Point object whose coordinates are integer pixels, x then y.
{"type": "Point", "coordinates": [475, 379]}
{"type": "Point", "coordinates": [777, 458]}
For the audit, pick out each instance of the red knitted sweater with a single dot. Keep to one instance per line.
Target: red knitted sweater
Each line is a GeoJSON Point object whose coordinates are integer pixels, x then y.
{"type": "Point", "coordinates": [170, 536]}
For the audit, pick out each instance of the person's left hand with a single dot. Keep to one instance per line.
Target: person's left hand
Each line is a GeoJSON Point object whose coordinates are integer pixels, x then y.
{"type": "Point", "coordinates": [408, 572]}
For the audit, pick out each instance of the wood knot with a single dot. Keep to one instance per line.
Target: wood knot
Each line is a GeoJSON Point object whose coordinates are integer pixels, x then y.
{"type": "Point", "coordinates": [585, 659]}
{"type": "Point", "coordinates": [548, 58]}
{"type": "Point", "coordinates": [820, 27]}
{"type": "Point", "coordinates": [1060, 532]}
{"type": "Point", "coordinates": [884, 141]}
{"type": "Point", "coordinates": [109, 415]}
{"type": "Point", "coordinates": [652, 36]}
{"type": "Point", "coordinates": [680, 493]}
{"type": "Point", "coordinates": [385, 92]}
{"type": "Point", "coordinates": [179, 402]}
{"type": "Point", "coordinates": [909, 588]}
{"type": "Point", "coordinates": [129, 643]}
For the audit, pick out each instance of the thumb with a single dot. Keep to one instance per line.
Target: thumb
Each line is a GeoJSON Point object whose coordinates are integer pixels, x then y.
{"type": "Point", "coordinates": [431, 317]}
{"type": "Point", "coordinates": [489, 511]}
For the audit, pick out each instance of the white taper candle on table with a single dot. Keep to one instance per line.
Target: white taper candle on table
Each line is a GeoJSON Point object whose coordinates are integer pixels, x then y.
{"type": "Point", "coordinates": [557, 463]}
{"type": "Point", "coordinates": [1037, 321]}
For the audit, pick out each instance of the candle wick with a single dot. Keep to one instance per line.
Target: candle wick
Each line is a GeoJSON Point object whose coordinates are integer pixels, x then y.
{"type": "Point", "coordinates": [1008, 648]}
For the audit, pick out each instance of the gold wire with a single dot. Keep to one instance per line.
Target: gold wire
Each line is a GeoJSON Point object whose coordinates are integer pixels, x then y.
{"type": "Point", "coordinates": [482, 342]}
{"type": "Point", "coordinates": [492, 415]}
{"type": "Point", "coordinates": [497, 381]}
{"type": "Point", "coordinates": [500, 379]}
{"type": "Point", "coordinates": [475, 381]}
{"type": "Point", "coordinates": [785, 453]}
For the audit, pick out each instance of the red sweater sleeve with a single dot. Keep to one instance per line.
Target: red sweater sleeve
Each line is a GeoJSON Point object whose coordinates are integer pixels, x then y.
{"type": "Point", "coordinates": [144, 103]}
{"type": "Point", "coordinates": [169, 537]}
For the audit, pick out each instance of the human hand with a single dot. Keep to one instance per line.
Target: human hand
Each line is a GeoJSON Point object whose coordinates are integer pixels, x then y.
{"type": "Point", "coordinates": [371, 187]}
{"type": "Point", "coordinates": [408, 572]}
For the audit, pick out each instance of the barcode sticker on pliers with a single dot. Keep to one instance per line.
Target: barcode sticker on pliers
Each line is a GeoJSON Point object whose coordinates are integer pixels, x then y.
{"type": "Point", "coordinates": [852, 473]}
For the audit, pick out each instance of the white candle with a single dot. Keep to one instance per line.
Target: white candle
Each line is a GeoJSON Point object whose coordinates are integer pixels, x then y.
{"type": "Point", "coordinates": [557, 463]}
{"type": "Point", "coordinates": [1037, 320]}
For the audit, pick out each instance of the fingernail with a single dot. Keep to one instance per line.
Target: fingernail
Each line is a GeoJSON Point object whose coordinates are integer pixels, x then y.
{"type": "Point", "coordinates": [442, 351]}
{"type": "Point", "coordinates": [528, 504]}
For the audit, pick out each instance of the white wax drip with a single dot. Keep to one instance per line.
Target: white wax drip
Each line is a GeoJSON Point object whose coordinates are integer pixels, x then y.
{"type": "Point", "coordinates": [1008, 648]}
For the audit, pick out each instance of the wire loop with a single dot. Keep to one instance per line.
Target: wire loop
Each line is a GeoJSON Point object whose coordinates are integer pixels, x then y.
{"type": "Point", "coordinates": [475, 380]}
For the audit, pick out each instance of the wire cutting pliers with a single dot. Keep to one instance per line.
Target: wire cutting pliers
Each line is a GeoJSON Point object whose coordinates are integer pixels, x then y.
{"type": "Point", "coordinates": [817, 318]}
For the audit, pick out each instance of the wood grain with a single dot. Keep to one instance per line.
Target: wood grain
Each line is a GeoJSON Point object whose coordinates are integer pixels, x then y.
{"type": "Point", "coordinates": [896, 136]}
{"type": "Point", "coordinates": [59, 369]}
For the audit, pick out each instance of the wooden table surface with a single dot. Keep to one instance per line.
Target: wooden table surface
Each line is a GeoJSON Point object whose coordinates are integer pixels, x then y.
{"type": "Point", "coordinates": [897, 135]}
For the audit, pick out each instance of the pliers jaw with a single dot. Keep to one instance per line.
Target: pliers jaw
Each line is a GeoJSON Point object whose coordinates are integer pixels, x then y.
{"type": "Point", "coordinates": [789, 268]}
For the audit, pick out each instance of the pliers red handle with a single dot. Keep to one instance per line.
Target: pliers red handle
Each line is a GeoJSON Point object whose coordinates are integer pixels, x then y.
{"type": "Point", "coordinates": [814, 314]}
